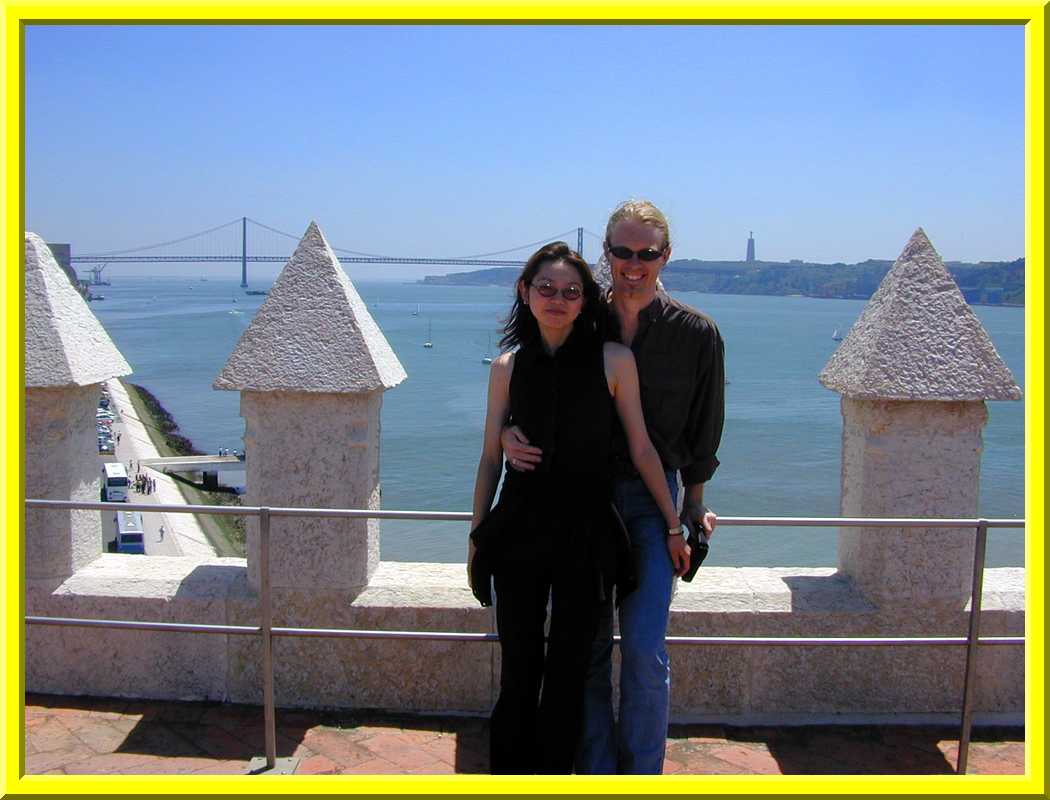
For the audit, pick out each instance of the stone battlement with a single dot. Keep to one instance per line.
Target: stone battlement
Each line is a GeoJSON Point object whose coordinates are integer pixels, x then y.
{"type": "Point", "coordinates": [906, 452]}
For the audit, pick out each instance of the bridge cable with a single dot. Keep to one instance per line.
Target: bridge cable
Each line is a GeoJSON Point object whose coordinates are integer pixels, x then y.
{"type": "Point", "coordinates": [545, 240]}
{"type": "Point", "coordinates": [164, 244]}
{"type": "Point", "coordinates": [449, 258]}
{"type": "Point", "coordinates": [297, 238]}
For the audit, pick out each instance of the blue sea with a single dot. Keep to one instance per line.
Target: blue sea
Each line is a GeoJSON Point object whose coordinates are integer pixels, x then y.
{"type": "Point", "coordinates": [780, 452]}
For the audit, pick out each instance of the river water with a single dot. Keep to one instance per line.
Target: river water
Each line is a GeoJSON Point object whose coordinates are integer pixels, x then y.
{"type": "Point", "coordinates": [780, 451]}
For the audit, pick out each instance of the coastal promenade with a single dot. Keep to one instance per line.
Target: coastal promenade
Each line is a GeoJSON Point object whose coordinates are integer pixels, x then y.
{"type": "Point", "coordinates": [182, 534]}
{"type": "Point", "coordinates": [90, 735]}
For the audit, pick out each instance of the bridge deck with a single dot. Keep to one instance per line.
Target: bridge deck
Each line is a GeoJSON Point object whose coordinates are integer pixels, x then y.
{"type": "Point", "coordinates": [195, 463]}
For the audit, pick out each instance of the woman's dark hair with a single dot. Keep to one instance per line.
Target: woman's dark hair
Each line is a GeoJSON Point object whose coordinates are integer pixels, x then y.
{"type": "Point", "coordinates": [520, 327]}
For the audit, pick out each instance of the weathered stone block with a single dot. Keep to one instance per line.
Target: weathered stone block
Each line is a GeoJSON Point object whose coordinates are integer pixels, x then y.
{"type": "Point", "coordinates": [61, 464]}
{"type": "Point", "coordinates": [910, 459]}
{"type": "Point", "coordinates": [313, 450]}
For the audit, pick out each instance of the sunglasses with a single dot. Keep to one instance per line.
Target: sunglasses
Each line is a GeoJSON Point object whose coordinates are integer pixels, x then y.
{"type": "Point", "coordinates": [626, 253]}
{"type": "Point", "coordinates": [548, 290]}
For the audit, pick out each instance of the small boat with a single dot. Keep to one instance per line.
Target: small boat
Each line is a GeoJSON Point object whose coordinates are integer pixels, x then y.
{"type": "Point", "coordinates": [488, 359]}
{"type": "Point", "coordinates": [836, 336]}
{"type": "Point", "coordinates": [416, 312]}
{"type": "Point", "coordinates": [429, 342]}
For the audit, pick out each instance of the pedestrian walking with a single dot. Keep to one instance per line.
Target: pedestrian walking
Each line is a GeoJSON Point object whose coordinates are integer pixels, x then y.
{"type": "Point", "coordinates": [161, 539]}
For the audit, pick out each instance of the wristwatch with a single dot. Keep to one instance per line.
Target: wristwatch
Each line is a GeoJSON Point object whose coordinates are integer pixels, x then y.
{"type": "Point", "coordinates": [677, 530]}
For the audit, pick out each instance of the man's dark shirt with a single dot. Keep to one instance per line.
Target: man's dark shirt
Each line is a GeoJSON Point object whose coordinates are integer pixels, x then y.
{"type": "Point", "coordinates": [681, 369]}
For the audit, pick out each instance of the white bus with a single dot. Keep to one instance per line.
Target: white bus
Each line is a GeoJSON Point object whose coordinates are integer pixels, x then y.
{"type": "Point", "coordinates": [130, 538]}
{"type": "Point", "coordinates": [114, 482]}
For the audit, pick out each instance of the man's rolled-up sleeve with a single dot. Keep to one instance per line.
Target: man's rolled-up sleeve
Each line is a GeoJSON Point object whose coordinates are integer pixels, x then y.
{"type": "Point", "coordinates": [707, 410]}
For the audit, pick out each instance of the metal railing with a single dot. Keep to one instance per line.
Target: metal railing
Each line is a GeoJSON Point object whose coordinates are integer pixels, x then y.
{"type": "Point", "coordinates": [268, 631]}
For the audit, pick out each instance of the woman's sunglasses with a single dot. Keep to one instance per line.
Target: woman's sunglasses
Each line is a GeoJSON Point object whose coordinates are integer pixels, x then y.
{"type": "Point", "coordinates": [626, 253]}
{"type": "Point", "coordinates": [548, 290]}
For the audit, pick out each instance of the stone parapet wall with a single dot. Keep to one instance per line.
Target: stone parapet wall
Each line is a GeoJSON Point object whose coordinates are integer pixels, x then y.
{"type": "Point", "coordinates": [420, 676]}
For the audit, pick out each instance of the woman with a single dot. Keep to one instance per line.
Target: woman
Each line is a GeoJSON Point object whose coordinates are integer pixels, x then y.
{"type": "Point", "coordinates": [554, 533]}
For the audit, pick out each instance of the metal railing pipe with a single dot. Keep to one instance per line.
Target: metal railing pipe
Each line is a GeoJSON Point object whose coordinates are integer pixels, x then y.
{"type": "Point", "coordinates": [266, 623]}
{"type": "Point", "coordinates": [174, 627]}
{"type": "Point", "coordinates": [465, 516]}
{"type": "Point", "coordinates": [464, 636]}
{"type": "Point", "coordinates": [970, 678]}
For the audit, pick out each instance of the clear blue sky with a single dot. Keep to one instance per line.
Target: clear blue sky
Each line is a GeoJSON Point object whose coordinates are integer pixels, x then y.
{"type": "Point", "coordinates": [831, 143]}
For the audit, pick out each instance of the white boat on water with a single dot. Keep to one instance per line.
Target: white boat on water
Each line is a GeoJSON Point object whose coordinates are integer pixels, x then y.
{"type": "Point", "coordinates": [429, 342]}
{"type": "Point", "coordinates": [836, 336]}
{"type": "Point", "coordinates": [416, 312]}
{"type": "Point", "coordinates": [488, 358]}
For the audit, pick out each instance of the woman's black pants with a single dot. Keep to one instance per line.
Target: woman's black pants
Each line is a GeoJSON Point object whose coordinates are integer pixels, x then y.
{"type": "Point", "coordinates": [536, 722]}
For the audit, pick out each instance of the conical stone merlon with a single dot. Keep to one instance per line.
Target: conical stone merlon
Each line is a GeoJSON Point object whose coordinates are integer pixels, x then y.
{"type": "Point", "coordinates": [313, 333]}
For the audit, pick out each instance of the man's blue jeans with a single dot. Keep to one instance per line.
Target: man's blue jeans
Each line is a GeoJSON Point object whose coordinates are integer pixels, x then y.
{"type": "Point", "coordinates": [636, 745]}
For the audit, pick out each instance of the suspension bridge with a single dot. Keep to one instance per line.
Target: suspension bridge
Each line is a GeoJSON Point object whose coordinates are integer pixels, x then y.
{"type": "Point", "coordinates": [222, 244]}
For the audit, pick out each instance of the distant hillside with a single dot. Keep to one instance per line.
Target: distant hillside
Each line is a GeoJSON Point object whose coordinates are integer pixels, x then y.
{"type": "Point", "coordinates": [992, 282]}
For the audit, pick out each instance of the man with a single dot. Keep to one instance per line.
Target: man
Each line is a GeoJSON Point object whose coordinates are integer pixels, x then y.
{"type": "Point", "coordinates": [680, 357]}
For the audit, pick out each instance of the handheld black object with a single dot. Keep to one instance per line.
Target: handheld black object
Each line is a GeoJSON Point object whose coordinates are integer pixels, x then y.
{"type": "Point", "coordinates": [481, 576]}
{"type": "Point", "coordinates": [698, 547]}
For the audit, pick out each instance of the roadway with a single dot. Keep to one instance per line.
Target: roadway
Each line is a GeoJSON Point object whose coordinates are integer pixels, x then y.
{"type": "Point", "coordinates": [182, 535]}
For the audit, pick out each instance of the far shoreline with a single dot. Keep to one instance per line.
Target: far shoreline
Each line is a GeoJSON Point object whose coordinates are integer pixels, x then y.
{"type": "Point", "coordinates": [693, 291]}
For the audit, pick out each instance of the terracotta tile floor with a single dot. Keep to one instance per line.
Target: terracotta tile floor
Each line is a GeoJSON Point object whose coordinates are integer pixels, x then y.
{"type": "Point", "coordinates": [76, 735]}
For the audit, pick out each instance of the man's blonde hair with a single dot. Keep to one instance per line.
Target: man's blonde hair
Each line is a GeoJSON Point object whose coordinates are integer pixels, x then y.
{"type": "Point", "coordinates": [642, 211]}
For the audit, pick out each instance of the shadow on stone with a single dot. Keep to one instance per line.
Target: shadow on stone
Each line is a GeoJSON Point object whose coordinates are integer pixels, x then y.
{"type": "Point", "coordinates": [826, 593]}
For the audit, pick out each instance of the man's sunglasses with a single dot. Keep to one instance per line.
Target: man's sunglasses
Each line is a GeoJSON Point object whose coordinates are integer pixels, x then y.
{"type": "Point", "coordinates": [626, 253]}
{"type": "Point", "coordinates": [548, 290]}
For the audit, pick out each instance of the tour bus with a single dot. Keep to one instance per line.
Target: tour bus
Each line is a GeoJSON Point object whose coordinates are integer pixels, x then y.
{"type": "Point", "coordinates": [114, 482]}
{"type": "Point", "coordinates": [130, 537]}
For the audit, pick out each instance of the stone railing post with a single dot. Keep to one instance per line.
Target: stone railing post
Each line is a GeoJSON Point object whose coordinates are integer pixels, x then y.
{"type": "Point", "coordinates": [312, 368]}
{"type": "Point", "coordinates": [68, 354]}
{"type": "Point", "coordinates": [914, 373]}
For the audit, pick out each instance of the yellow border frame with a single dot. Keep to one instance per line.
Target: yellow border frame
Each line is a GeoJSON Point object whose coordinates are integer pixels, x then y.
{"type": "Point", "coordinates": [13, 15]}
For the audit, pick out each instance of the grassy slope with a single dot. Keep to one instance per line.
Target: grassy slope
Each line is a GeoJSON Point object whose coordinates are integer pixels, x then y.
{"type": "Point", "coordinates": [225, 533]}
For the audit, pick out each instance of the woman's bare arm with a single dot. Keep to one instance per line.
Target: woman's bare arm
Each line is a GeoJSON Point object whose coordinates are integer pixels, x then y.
{"type": "Point", "coordinates": [622, 373]}
{"type": "Point", "coordinates": [491, 462]}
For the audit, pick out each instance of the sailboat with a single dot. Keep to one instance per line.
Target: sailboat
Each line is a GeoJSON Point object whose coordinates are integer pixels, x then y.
{"type": "Point", "coordinates": [429, 342]}
{"type": "Point", "coordinates": [416, 312]}
{"type": "Point", "coordinates": [836, 336]}
{"type": "Point", "coordinates": [488, 358]}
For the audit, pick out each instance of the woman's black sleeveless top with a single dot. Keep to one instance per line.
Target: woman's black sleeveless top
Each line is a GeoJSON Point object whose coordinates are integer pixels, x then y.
{"type": "Point", "coordinates": [561, 514]}
{"type": "Point", "coordinates": [562, 404]}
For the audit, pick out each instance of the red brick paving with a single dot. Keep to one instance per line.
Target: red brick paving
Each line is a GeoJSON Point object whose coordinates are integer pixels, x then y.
{"type": "Point", "coordinates": [77, 735]}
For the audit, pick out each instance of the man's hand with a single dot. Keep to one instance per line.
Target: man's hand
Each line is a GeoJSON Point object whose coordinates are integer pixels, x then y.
{"type": "Point", "coordinates": [695, 514]}
{"type": "Point", "coordinates": [521, 455]}
{"type": "Point", "coordinates": [679, 552]}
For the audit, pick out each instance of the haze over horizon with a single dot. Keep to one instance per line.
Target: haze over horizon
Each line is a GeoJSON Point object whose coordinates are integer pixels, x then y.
{"type": "Point", "coordinates": [832, 143]}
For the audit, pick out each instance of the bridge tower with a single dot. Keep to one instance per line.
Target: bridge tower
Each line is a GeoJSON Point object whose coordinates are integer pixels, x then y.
{"type": "Point", "coordinates": [244, 252]}
{"type": "Point", "coordinates": [579, 241]}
